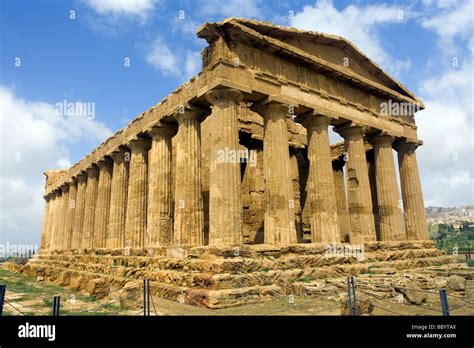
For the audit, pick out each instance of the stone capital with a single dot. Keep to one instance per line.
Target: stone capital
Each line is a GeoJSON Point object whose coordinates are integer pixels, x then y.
{"type": "Point", "coordinates": [138, 144]}
{"type": "Point", "coordinates": [381, 138]}
{"type": "Point", "coordinates": [403, 146]}
{"type": "Point", "coordinates": [64, 187]}
{"type": "Point", "coordinates": [118, 155]}
{"type": "Point", "coordinates": [312, 120]}
{"type": "Point", "coordinates": [189, 112]}
{"type": "Point", "coordinates": [81, 177]}
{"type": "Point", "coordinates": [351, 130]}
{"type": "Point", "coordinates": [92, 171]}
{"type": "Point", "coordinates": [162, 131]}
{"type": "Point", "coordinates": [224, 96]}
{"type": "Point", "coordinates": [272, 108]}
{"type": "Point", "coordinates": [104, 163]}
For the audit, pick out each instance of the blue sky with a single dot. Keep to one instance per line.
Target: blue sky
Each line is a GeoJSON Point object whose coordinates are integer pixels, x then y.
{"type": "Point", "coordinates": [426, 45]}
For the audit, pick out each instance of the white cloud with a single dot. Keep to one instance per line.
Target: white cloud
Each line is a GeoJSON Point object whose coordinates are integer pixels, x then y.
{"type": "Point", "coordinates": [34, 138]}
{"type": "Point", "coordinates": [162, 58]}
{"type": "Point", "coordinates": [177, 62]}
{"type": "Point", "coordinates": [446, 159]}
{"type": "Point", "coordinates": [358, 24]}
{"type": "Point", "coordinates": [452, 20]}
{"type": "Point", "coordinates": [139, 8]}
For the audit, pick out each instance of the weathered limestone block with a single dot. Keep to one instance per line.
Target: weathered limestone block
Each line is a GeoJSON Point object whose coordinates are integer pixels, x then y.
{"type": "Point", "coordinates": [456, 283]}
{"type": "Point", "coordinates": [98, 288]}
{"type": "Point", "coordinates": [131, 295]}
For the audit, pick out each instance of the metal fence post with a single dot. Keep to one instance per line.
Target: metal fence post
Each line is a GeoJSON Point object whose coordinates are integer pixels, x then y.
{"type": "Point", "coordinates": [444, 302]}
{"type": "Point", "coordinates": [146, 297]}
{"type": "Point", "coordinates": [349, 300]}
{"type": "Point", "coordinates": [3, 289]}
{"type": "Point", "coordinates": [56, 304]}
{"type": "Point", "coordinates": [354, 298]}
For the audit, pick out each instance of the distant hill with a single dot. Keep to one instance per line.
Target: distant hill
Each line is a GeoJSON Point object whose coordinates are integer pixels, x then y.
{"type": "Point", "coordinates": [441, 215]}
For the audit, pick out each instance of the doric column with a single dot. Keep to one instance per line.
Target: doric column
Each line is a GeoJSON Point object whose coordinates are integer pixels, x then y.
{"type": "Point", "coordinates": [370, 155]}
{"type": "Point", "coordinates": [63, 204]}
{"type": "Point", "coordinates": [412, 195]}
{"type": "Point", "coordinates": [388, 197]}
{"type": "Point", "coordinates": [44, 231]}
{"type": "Point", "coordinates": [70, 211]}
{"type": "Point", "coordinates": [342, 212]}
{"type": "Point", "coordinates": [323, 210]}
{"type": "Point", "coordinates": [49, 227]}
{"type": "Point", "coordinates": [160, 210]}
{"type": "Point", "coordinates": [102, 209]}
{"type": "Point", "coordinates": [53, 218]}
{"type": "Point", "coordinates": [358, 187]}
{"type": "Point", "coordinates": [188, 214]}
{"type": "Point", "coordinates": [225, 206]}
{"type": "Point", "coordinates": [89, 209]}
{"type": "Point", "coordinates": [118, 199]}
{"type": "Point", "coordinates": [279, 221]}
{"type": "Point", "coordinates": [80, 210]}
{"type": "Point", "coordinates": [135, 223]}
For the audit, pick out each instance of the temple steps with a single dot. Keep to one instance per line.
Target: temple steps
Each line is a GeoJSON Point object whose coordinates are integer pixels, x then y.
{"type": "Point", "coordinates": [220, 277]}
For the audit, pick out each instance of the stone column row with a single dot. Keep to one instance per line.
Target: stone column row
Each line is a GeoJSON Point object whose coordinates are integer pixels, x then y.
{"type": "Point", "coordinates": [127, 201]}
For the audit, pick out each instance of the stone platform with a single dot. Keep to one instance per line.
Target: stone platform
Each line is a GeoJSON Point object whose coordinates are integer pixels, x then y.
{"type": "Point", "coordinates": [218, 277]}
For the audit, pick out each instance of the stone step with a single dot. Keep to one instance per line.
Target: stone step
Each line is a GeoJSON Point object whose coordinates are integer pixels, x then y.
{"type": "Point", "coordinates": [246, 250]}
{"type": "Point", "coordinates": [226, 280]}
{"type": "Point", "coordinates": [210, 298]}
{"type": "Point", "coordinates": [217, 265]}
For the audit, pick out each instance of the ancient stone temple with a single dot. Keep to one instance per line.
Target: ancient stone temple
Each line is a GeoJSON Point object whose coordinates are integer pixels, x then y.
{"type": "Point", "coordinates": [236, 165]}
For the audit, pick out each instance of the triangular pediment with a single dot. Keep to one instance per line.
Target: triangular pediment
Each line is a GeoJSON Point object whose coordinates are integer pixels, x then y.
{"type": "Point", "coordinates": [337, 52]}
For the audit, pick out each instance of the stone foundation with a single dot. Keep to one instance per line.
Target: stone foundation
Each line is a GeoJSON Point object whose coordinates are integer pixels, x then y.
{"type": "Point", "coordinates": [218, 277]}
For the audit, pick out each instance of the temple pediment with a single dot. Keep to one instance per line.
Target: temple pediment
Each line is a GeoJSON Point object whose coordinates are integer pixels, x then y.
{"type": "Point", "coordinates": [330, 53]}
